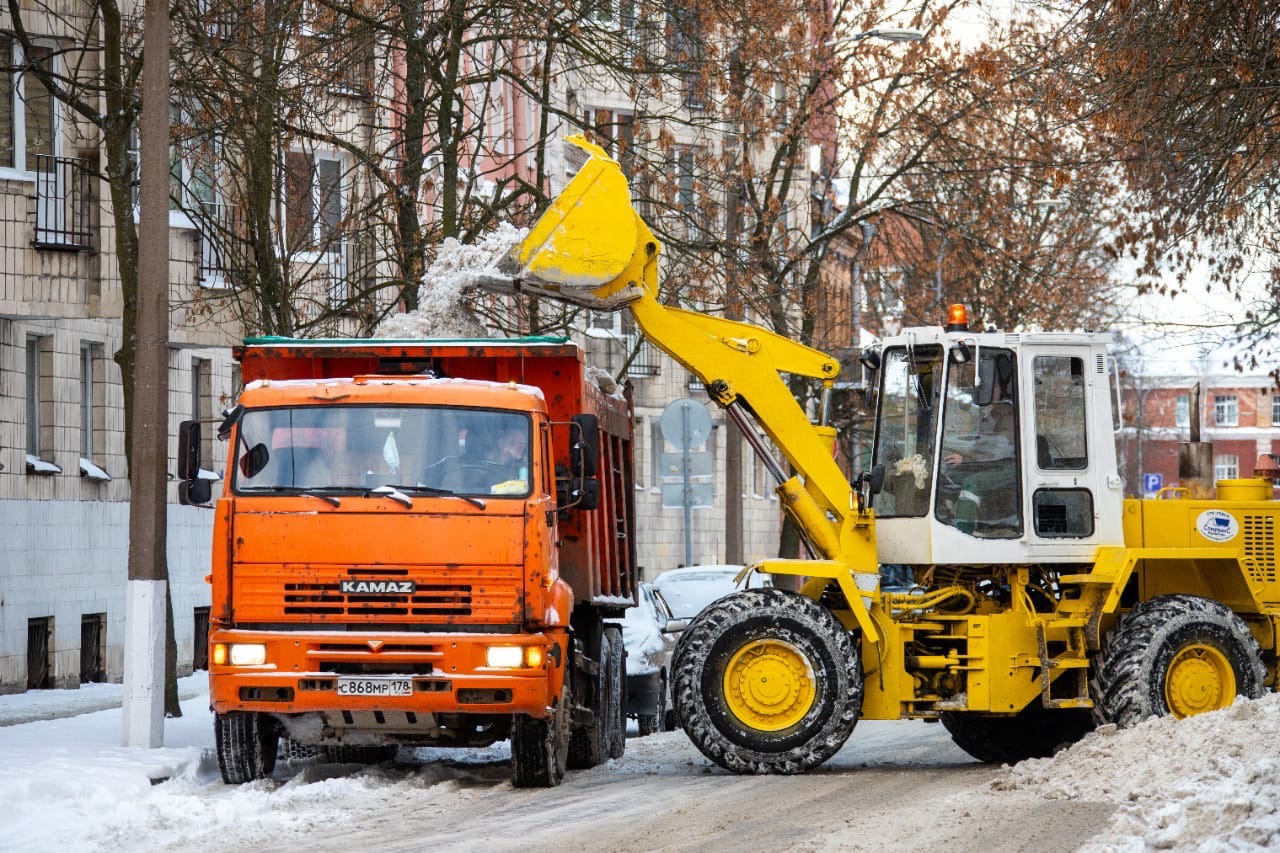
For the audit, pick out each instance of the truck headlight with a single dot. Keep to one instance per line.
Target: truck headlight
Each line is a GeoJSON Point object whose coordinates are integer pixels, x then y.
{"type": "Point", "coordinates": [248, 654]}
{"type": "Point", "coordinates": [504, 657]}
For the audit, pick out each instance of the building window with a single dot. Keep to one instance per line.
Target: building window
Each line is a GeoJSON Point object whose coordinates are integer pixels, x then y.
{"type": "Point", "coordinates": [657, 445]}
{"type": "Point", "coordinates": [1226, 410]}
{"type": "Point", "coordinates": [202, 404]}
{"type": "Point", "coordinates": [93, 648]}
{"type": "Point", "coordinates": [1275, 410]}
{"type": "Point", "coordinates": [315, 202]}
{"type": "Point", "coordinates": [28, 112]}
{"type": "Point", "coordinates": [615, 132]}
{"type": "Point", "coordinates": [92, 410]}
{"type": "Point", "coordinates": [40, 653]}
{"type": "Point", "coordinates": [1182, 411]}
{"type": "Point", "coordinates": [200, 639]}
{"type": "Point", "coordinates": [39, 405]}
{"type": "Point", "coordinates": [1226, 467]}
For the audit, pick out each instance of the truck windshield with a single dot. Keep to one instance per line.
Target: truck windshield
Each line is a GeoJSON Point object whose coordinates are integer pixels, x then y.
{"type": "Point", "coordinates": [911, 380]}
{"type": "Point", "coordinates": [356, 448]}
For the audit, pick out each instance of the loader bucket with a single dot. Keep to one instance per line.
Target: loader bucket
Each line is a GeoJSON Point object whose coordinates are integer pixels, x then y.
{"type": "Point", "coordinates": [584, 246]}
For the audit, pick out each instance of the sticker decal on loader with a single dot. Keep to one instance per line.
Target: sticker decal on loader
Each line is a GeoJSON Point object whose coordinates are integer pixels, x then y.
{"type": "Point", "coordinates": [1217, 526]}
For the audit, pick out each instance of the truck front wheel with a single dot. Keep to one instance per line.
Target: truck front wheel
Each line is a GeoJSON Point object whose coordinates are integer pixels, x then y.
{"type": "Point", "coordinates": [540, 747]}
{"type": "Point", "coordinates": [1175, 655]}
{"type": "Point", "coordinates": [246, 745]}
{"type": "Point", "coordinates": [768, 681]}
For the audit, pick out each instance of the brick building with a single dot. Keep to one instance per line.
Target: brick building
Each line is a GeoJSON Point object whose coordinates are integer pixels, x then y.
{"type": "Point", "coordinates": [1239, 414]}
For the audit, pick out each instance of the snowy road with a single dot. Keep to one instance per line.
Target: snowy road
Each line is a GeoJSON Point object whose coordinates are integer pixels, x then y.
{"type": "Point", "coordinates": [896, 785]}
{"type": "Point", "coordinates": [1209, 783]}
{"type": "Point", "coordinates": [68, 786]}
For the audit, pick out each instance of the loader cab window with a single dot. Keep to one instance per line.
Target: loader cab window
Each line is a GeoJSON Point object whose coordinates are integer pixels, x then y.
{"type": "Point", "coordinates": [910, 385]}
{"type": "Point", "coordinates": [1062, 510]}
{"type": "Point", "coordinates": [1060, 416]}
{"type": "Point", "coordinates": [979, 489]}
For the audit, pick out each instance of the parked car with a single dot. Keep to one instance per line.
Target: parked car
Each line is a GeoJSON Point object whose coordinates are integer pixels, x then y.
{"type": "Point", "coordinates": [689, 590]}
{"type": "Point", "coordinates": [650, 634]}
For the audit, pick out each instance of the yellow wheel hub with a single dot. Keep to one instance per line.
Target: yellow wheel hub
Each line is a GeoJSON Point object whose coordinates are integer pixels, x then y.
{"type": "Point", "coordinates": [769, 685]}
{"type": "Point", "coordinates": [1200, 679]}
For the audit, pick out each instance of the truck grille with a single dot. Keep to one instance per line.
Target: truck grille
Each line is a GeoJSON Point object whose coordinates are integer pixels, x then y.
{"type": "Point", "coordinates": [269, 594]}
{"type": "Point", "coordinates": [325, 599]}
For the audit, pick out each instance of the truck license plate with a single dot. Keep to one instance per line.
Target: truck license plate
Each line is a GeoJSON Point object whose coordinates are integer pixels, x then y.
{"type": "Point", "coordinates": [375, 687]}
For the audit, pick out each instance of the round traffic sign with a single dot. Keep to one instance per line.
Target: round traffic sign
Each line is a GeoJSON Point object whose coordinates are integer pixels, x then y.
{"type": "Point", "coordinates": [686, 423]}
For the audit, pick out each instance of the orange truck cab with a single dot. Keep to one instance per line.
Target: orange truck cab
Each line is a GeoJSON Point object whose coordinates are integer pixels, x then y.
{"type": "Point", "coordinates": [418, 543]}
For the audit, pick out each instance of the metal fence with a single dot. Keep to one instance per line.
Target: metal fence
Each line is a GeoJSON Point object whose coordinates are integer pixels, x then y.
{"type": "Point", "coordinates": [64, 202]}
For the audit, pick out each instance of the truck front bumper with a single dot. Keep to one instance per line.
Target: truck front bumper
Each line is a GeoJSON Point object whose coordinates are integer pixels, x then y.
{"type": "Point", "coordinates": [440, 673]}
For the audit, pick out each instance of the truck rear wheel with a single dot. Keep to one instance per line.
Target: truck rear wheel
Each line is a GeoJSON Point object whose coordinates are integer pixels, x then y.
{"type": "Point", "coordinates": [540, 747]}
{"type": "Point", "coordinates": [768, 681]}
{"type": "Point", "coordinates": [246, 745]}
{"type": "Point", "coordinates": [1034, 732]}
{"type": "Point", "coordinates": [616, 695]}
{"type": "Point", "coordinates": [1175, 655]}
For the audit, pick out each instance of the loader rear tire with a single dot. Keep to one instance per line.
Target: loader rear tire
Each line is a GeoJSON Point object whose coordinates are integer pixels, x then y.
{"type": "Point", "coordinates": [246, 745]}
{"type": "Point", "coordinates": [768, 681]}
{"type": "Point", "coordinates": [1034, 732]}
{"type": "Point", "coordinates": [1175, 655]}
{"type": "Point", "coordinates": [540, 747]}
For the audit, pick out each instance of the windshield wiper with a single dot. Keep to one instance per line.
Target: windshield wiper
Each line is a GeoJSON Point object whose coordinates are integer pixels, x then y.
{"type": "Point", "coordinates": [293, 490]}
{"type": "Point", "coordinates": [435, 491]}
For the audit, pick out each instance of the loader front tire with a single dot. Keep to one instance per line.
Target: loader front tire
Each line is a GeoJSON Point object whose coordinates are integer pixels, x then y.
{"type": "Point", "coordinates": [768, 681]}
{"type": "Point", "coordinates": [1175, 655]}
{"type": "Point", "coordinates": [1034, 732]}
{"type": "Point", "coordinates": [246, 744]}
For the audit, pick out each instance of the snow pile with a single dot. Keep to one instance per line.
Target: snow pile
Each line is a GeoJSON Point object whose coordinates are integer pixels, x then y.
{"type": "Point", "coordinates": [1211, 780]}
{"type": "Point", "coordinates": [442, 311]}
{"type": "Point", "coordinates": [604, 380]}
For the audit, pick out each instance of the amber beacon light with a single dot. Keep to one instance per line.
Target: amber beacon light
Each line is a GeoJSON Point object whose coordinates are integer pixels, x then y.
{"type": "Point", "coordinates": [957, 318]}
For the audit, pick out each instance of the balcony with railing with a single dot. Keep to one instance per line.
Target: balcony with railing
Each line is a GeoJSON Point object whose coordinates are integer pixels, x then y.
{"type": "Point", "coordinates": [64, 204]}
{"type": "Point", "coordinates": [220, 227]}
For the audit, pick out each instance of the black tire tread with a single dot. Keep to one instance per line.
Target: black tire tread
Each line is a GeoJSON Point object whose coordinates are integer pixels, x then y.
{"type": "Point", "coordinates": [778, 613]}
{"type": "Point", "coordinates": [540, 747]}
{"type": "Point", "coordinates": [1127, 686]}
{"type": "Point", "coordinates": [246, 745]}
{"type": "Point", "coordinates": [1035, 732]}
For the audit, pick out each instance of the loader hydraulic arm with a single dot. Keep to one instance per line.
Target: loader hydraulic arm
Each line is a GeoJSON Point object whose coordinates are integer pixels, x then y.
{"type": "Point", "coordinates": [591, 248]}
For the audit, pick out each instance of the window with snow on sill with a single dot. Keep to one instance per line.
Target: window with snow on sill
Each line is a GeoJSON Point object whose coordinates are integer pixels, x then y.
{"type": "Point", "coordinates": [36, 465]}
{"type": "Point", "coordinates": [92, 471]}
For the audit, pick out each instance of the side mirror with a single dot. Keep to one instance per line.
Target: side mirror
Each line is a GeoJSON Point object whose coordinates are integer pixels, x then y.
{"type": "Point", "coordinates": [584, 445]}
{"type": "Point", "coordinates": [194, 492]}
{"type": "Point", "coordinates": [584, 493]}
{"type": "Point", "coordinates": [252, 463]}
{"type": "Point", "coordinates": [675, 626]}
{"type": "Point", "coordinates": [189, 450]}
{"type": "Point", "coordinates": [876, 482]}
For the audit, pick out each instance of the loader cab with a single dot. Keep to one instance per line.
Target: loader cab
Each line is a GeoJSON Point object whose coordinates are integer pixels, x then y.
{"type": "Point", "coordinates": [997, 447]}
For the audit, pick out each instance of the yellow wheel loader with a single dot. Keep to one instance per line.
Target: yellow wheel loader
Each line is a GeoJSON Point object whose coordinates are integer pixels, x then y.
{"type": "Point", "coordinates": [1040, 600]}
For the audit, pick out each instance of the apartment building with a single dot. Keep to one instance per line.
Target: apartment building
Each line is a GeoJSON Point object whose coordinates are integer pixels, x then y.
{"type": "Point", "coordinates": [1239, 413]}
{"type": "Point", "coordinates": [64, 492]}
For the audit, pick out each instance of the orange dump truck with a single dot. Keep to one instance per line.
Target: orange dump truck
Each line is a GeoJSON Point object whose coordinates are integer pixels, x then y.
{"type": "Point", "coordinates": [419, 543]}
